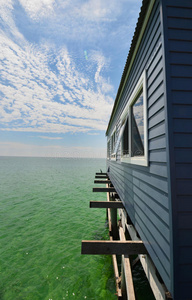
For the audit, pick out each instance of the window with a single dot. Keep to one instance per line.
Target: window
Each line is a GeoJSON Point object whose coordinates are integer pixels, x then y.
{"type": "Point", "coordinates": [134, 137]}
{"type": "Point", "coordinates": [137, 127]}
{"type": "Point", "coordinates": [108, 149]}
{"type": "Point", "coordinates": [113, 143]}
{"type": "Point", "coordinates": [118, 137]}
{"type": "Point", "coordinates": [125, 139]}
{"type": "Point", "coordinates": [113, 140]}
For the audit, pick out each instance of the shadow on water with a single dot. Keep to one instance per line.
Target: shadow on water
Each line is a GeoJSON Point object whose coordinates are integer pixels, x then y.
{"type": "Point", "coordinates": [142, 288]}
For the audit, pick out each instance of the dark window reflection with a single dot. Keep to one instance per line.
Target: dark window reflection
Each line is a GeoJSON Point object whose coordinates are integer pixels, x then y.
{"type": "Point", "coordinates": [125, 139]}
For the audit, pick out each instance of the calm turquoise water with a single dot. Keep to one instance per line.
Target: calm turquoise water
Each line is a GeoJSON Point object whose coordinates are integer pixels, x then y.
{"type": "Point", "coordinates": [44, 215]}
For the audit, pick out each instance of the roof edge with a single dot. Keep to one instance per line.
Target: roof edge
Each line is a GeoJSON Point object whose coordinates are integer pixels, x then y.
{"type": "Point", "coordinates": [145, 12]}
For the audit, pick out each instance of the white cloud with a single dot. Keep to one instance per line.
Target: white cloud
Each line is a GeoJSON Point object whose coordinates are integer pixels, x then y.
{"type": "Point", "coordinates": [86, 21]}
{"type": "Point", "coordinates": [47, 89]}
{"type": "Point", "coordinates": [98, 10]}
{"type": "Point", "coordinates": [38, 8]}
{"type": "Point", "coordinates": [35, 98]}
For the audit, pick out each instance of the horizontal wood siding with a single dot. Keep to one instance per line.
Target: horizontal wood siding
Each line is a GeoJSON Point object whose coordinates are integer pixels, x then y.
{"type": "Point", "coordinates": [144, 190]}
{"type": "Point", "coordinates": [178, 22]}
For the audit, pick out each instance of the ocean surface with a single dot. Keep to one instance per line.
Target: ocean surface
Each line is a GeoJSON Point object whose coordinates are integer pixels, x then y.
{"type": "Point", "coordinates": [44, 215]}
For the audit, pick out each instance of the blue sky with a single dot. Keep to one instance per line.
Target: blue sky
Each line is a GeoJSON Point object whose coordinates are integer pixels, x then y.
{"type": "Point", "coordinates": [61, 63]}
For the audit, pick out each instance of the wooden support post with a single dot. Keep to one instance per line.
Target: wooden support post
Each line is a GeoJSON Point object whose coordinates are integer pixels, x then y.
{"type": "Point", "coordinates": [107, 215]}
{"type": "Point", "coordinates": [106, 204]}
{"type": "Point", "coordinates": [117, 278]}
{"type": "Point", "coordinates": [104, 189]}
{"type": "Point", "coordinates": [113, 247]}
{"type": "Point", "coordinates": [108, 212]}
{"type": "Point", "coordinates": [157, 287]}
{"type": "Point", "coordinates": [128, 277]}
{"type": "Point", "coordinates": [126, 270]}
{"type": "Point", "coordinates": [111, 212]}
{"type": "Point", "coordinates": [109, 221]}
{"type": "Point", "coordinates": [123, 285]}
{"type": "Point", "coordinates": [114, 223]}
{"type": "Point", "coordinates": [114, 258]}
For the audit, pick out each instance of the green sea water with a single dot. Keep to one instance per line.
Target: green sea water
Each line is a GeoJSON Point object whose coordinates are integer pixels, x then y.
{"type": "Point", "coordinates": [44, 215]}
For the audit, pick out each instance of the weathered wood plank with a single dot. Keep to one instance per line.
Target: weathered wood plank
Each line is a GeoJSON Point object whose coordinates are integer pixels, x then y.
{"type": "Point", "coordinates": [104, 189]}
{"type": "Point", "coordinates": [117, 277]}
{"type": "Point", "coordinates": [110, 223]}
{"type": "Point", "coordinates": [113, 247]}
{"type": "Point", "coordinates": [106, 204]}
{"type": "Point", "coordinates": [128, 277]}
{"type": "Point", "coordinates": [101, 176]}
{"type": "Point", "coordinates": [102, 181]}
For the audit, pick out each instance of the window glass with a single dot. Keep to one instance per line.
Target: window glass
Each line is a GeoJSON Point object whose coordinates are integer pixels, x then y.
{"type": "Point", "coordinates": [113, 141]}
{"type": "Point", "coordinates": [108, 149]}
{"type": "Point", "coordinates": [137, 127]}
{"type": "Point", "coordinates": [125, 139]}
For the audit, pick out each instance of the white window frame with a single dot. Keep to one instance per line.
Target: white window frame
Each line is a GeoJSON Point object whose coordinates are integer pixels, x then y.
{"type": "Point", "coordinates": [141, 86]}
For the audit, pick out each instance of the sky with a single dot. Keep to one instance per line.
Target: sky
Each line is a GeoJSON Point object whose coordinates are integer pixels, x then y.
{"type": "Point", "coordinates": [61, 63]}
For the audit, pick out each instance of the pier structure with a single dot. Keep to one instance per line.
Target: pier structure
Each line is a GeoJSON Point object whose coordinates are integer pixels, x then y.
{"type": "Point", "coordinates": [149, 161]}
{"type": "Point", "coordinates": [149, 140]}
{"type": "Point", "coordinates": [124, 242]}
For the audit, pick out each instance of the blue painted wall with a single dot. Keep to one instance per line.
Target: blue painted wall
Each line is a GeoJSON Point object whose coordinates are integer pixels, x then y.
{"type": "Point", "coordinates": [158, 197]}
{"type": "Point", "coordinates": [177, 20]}
{"type": "Point", "coordinates": [144, 190]}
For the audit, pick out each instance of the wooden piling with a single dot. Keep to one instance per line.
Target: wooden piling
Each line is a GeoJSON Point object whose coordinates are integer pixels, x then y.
{"type": "Point", "coordinates": [117, 243]}
{"type": "Point", "coordinates": [128, 280]}
{"type": "Point", "coordinates": [114, 257]}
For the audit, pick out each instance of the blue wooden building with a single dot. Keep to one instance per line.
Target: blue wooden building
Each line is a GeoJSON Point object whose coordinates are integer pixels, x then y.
{"type": "Point", "coordinates": [149, 139]}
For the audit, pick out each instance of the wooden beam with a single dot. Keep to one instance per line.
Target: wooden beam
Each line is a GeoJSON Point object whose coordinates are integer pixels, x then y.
{"type": "Point", "coordinates": [101, 176]}
{"type": "Point", "coordinates": [106, 204]}
{"type": "Point", "coordinates": [104, 189]}
{"type": "Point", "coordinates": [101, 173]}
{"type": "Point", "coordinates": [102, 181]}
{"type": "Point", "coordinates": [113, 247]}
